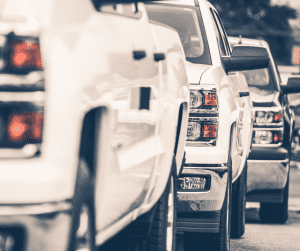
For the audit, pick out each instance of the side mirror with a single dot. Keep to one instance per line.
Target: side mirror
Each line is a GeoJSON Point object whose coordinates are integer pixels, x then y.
{"type": "Point", "coordinates": [245, 57]}
{"type": "Point", "coordinates": [292, 86]}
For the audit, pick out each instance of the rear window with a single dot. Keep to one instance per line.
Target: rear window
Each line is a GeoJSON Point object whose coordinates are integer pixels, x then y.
{"type": "Point", "coordinates": [186, 22]}
{"type": "Point", "coordinates": [260, 81]}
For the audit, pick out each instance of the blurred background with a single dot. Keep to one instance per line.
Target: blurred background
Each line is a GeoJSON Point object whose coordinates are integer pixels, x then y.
{"type": "Point", "coordinates": [276, 21]}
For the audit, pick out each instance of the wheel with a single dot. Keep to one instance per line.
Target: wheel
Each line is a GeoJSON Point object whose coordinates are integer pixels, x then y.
{"type": "Point", "coordinates": [220, 241]}
{"type": "Point", "coordinates": [238, 209]}
{"type": "Point", "coordinates": [276, 212]}
{"type": "Point", "coordinates": [163, 229]}
{"type": "Point", "coordinates": [82, 233]}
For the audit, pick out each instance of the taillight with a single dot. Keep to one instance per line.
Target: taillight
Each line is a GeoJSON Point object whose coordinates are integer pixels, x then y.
{"type": "Point", "coordinates": [203, 116]}
{"type": "Point", "coordinates": [25, 127]}
{"type": "Point", "coordinates": [25, 55]}
{"type": "Point", "coordinates": [203, 99]}
{"type": "Point", "coordinates": [20, 54]}
{"type": "Point", "coordinates": [267, 137]}
{"type": "Point", "coordinates": [266, 117]}
{"type": "Point", "coordinates": [201, 131]}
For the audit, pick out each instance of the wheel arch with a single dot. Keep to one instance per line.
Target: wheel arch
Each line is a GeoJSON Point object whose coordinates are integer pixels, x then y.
{"type": "Point", "coordinates": [181, 135]}
{"type": "Point", "coordinates": [89, 134]}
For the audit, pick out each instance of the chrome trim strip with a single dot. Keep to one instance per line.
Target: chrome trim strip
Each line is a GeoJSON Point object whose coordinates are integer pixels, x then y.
{"type": "Point", "coordinates": [33, 97]}
{"type": "Point", "coordinates": [193, 192]}
{"type": "Point", "coordinates": [268, 124]}
{"type": "Point", "coordinates": [269, 161]}
{"type": "Point", "coordinates": [208, 111]}
{"type": "Point", "coordinates": [210, 166]}
{"type": "Point", "coordinates": [28, 151]}
{"type": "Point", "coordinates": [204, 87]}
{"type": "Point", "coordinates": [268, 109]}
{"type": "Point", "coordinates": [209, 119]}
{"type": "Point", "coordinates": [202, 143]}
{"type": "Point", "coordinates": [35, 209]}
{"type": "Point", "coordinates": [267, 145]}
{"type": "Point", "coordinates": [268, 129]}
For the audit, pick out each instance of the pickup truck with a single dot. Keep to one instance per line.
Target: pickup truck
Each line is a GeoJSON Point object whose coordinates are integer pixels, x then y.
{"type": "Point", "coordinates": [269, 160]}
{"type": "Point", "coordinates": [211, 196]}
{"type": "Point", "coordinates": [94, 111]}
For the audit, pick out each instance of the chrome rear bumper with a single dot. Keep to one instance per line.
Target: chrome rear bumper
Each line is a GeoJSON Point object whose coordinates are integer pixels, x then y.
{"type": "Point", "coordinates": [35, 227]}
{"type": "Point", "coordinates": [199, 211]}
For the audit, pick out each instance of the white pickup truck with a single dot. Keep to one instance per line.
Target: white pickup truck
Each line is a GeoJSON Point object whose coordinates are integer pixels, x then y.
{"type": "Point", "coordinates": [94, 111]}
{"type": "Point", "coordinates": [211, 198]}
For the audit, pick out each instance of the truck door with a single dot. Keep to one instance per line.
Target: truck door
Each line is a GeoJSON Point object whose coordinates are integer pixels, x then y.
{"type": "Point", "coordinates": [127, 158]}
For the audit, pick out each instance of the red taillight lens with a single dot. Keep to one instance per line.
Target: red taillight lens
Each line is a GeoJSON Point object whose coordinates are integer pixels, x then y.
{"type": "Point", "coordinates": [25, 54]}
{"type": "Point", "coordinates": [25, 126]}
{"type": "Point", "coordinates": [16, 128]}
{"type": "Point", "coordinates": [210, 99]}
{"type": "Point", "coordinates": [277, 117]}
{"type": "Point", "coordinates": [277, 137]}
{"type": "Point", "coordinates": [209, 131]}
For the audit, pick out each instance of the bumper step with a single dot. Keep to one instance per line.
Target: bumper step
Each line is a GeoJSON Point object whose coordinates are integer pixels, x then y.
{"type": "Point", "coordinates": [267, 196]}
{"type": "Point", "coordinates": [202, 222]}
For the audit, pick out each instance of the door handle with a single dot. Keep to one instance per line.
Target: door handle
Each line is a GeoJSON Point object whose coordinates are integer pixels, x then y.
{"type": "Point", "coordinates": [140, 98]}
{"type": "Point", "coordinates": [244, 94]}
{"type": "Point", "coordinates": [137, 55]}
{"type": "Point", "coordinates": [159, 56]}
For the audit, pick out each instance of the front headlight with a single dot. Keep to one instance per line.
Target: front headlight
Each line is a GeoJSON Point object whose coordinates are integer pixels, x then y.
{"type": "Point", "coordinates": [268, 117]}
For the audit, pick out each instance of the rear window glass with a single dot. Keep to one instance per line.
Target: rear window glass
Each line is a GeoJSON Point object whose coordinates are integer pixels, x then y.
{"type": "Point", "coordinates": [260, 80]}
{"type": "Point", "coordinates": [186, 22]}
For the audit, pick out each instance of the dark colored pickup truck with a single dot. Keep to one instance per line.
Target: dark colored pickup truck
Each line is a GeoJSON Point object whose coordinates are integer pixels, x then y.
{"type": "Point", "coordinates": [269, 159]}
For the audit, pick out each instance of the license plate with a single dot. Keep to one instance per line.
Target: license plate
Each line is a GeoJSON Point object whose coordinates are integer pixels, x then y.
{"type": "Point", "coordinates": [192, 183]}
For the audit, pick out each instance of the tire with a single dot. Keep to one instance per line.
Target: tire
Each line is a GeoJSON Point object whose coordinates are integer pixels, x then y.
{"type": "Point", "coordinates": [222, 239]}
{"type": "Point", "coordinates": [162, 234]}
{"type": "Point", "coordinates": [82, 233]}
{"type": "Point", "coordinates": [276, 212]}
{"type": "Point", "coordinates": [238, 210]}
